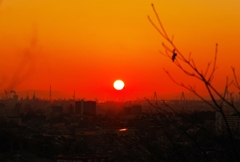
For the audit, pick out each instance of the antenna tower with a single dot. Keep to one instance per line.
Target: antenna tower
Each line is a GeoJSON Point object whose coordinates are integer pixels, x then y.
{"type": "Point", "coordinates": [182, 97]}
{"type": "Point", "coordinates": [155, 96]}
{"type": "Point", "coordinates": [50, 93]}
{"type": "Point", "coordinates": [74, 95]}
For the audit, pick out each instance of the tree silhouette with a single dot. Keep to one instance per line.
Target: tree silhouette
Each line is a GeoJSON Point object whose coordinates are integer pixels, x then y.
{"type": "Point", "coordinates": [219, 101]}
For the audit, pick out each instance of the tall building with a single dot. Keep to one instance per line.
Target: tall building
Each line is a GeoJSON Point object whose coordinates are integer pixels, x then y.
{"type": "Point", "coordinates": [79, 107]}
{"type": "Point", "coordinates": [90, 107]}
{"type": "Point", "coordinates": [85, 107]}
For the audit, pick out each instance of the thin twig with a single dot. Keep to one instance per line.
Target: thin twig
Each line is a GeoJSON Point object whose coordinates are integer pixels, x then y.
{"type": "Point", "coordinates": [236, 84]}
{"type": "Point", "coordinates": [160, 23]}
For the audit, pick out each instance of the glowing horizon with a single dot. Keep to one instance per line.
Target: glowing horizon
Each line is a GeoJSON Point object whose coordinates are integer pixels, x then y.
{"type": "Point", "coordinates": [86, 45]}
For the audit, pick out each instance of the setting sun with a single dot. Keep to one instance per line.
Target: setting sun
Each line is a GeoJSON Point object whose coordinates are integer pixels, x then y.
{"type": "Point", "coordinates": [118, 84]}
{"type": "Point", "coordinates": [84, 46]}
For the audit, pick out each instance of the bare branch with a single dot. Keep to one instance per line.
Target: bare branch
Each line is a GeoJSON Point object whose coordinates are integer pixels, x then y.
{"type": "Point", "coordinates": [190, 89]}
{"type": "Point", "coordinates": [186, 72]}
{"type": "Point", "coordinates": [155, 27]}
{"type": "Point", "coordinates": [236, 84]}
{"type": "Point", "coordinates": [225, 92]}
{"type": "Point", "coordinates": [160, 23]}
{"type": "Point", "coordinates": [164, 54]}
{"type": "Point", "coordinates": [205, 74]}
{"type": "Point", "coordinates": [172, 38]}
{"type": "Point", "coordinates": [166, 47]}
{"type": "Point", "coordinates": [205, 79]}
{"type": "Point", "coordinates": [189, 57]}
{"type": "Point", "coordinates": [214, 64]}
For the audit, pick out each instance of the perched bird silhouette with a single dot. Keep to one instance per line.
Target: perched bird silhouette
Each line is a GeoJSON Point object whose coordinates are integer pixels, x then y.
{"type": "Point", "coordinates": [174, 55]}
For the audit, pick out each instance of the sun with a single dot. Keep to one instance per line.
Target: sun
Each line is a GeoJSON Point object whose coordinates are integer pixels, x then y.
{"type": "Point", "coordinates": [118, 84]}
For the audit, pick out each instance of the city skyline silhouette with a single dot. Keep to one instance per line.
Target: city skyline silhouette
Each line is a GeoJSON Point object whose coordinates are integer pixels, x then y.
{"type": "Point", "coordinates": [118, 80]}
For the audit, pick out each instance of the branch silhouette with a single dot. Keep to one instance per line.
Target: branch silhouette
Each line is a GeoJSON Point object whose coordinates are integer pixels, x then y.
{"type": "Point", "coordinates": [187, 65]}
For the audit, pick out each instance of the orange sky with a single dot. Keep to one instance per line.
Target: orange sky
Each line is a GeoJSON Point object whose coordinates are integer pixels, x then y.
{"type": "Point", "coordinates": [86, 45]}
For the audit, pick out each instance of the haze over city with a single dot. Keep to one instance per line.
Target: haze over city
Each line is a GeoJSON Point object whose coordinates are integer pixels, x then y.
{"type": "Point", "coordinates": [119, 81]}
{"type": "Point", "coordinates": [84, 46]}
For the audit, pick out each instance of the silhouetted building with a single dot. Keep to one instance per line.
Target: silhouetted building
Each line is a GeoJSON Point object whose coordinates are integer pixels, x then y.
{"type": "Point", "coordinates": [79, 107]}
{"type": "Point", "coordinates": [85, 107]}
{"type": "Point", "coordinates": [233, 120]}
{"type": "Point", "coordinates": [90, 107]}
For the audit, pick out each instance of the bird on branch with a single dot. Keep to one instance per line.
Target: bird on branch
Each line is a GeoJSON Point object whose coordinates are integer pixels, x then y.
{"type": "Point", "coordinates": [174, 55]}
